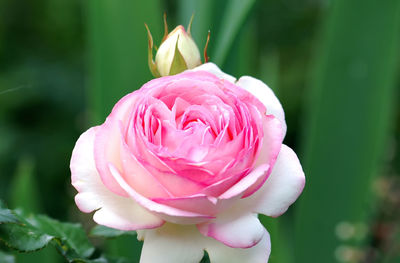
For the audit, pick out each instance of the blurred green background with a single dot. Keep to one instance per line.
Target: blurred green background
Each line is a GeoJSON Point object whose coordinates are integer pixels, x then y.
{"type": "Point", "coordinates": [332, 63]}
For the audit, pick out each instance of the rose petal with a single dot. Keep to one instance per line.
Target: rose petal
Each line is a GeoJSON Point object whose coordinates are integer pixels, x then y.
{"type": "Point", "coordinates": [260, 90]}
{"type": "Point", "coordinates": [247, 181]}
{"type": "Point", "coordinates": [269, 151]}
{"type": "Point", "coordinates": [184, 244]}
{"type": "Point", "coordinates": [234, 228]}
{"type": "Point", "coordinates": [112, 210]}
{"type": "Point", "coordinates": [282, 188]}
{"type": "Point", "coordinates": [139, 177]}
{"type": "Point", "coordinates": [214, 69]}
{"type": "Point", "coordinates": [167, 213]}
{"type": "Point", "coordinates": [198, 204]}
{"type": "Point", "coordinates": [219, 253]}
{"type": "Point", "coordinates": [172, 244]}
{"type": "Point", "coordinates": [107, 149]}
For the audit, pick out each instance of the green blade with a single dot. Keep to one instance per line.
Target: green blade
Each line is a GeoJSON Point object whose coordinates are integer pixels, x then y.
{"type": "Point", "coordinates": [117, 42]}
{"type": "Point", "coordinates": [203, 17]}
{"type": "Point", "coordinates": [24, 193]}
{"type": "Point", "coordinates": [349, 113]}
{"type": "Point", "coordinates": [232, 19]}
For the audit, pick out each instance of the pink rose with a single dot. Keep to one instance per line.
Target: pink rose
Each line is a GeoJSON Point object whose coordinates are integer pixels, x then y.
{"type": "Point", "coordinates": [189, 160]}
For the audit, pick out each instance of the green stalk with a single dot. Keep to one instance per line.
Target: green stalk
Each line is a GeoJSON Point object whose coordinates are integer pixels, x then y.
{"type": "Point", "coordinates": [349, 115]}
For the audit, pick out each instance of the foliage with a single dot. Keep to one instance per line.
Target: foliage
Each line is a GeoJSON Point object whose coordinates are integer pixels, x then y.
{"type": "Point", "coordinates": [34, 232]}
{"type": "Point", "coordinates": [106, 232]}
{"type": "Point", "coordinates": [29, 233]}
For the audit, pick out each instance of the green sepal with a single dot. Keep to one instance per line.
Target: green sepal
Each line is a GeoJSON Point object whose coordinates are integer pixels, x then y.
{"type": "Point", "coordinates": [151, 63]}
{"type": "Point", "coordinates": [178, 62]}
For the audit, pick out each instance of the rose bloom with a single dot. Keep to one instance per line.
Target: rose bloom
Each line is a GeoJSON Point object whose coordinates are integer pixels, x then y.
{"type": "Point", "coordinates": [189, 161]}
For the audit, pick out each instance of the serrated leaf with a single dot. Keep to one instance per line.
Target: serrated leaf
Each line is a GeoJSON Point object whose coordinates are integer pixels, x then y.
{"type": "Point", "coordinates": [103, 231]}
{"type": "Point", "coordinates": [71, 234]}
{"type": "Point", "coordinates": [6, 216]}
{"type": "Point", "coordinates": [27, 234]}
{"type": "Point", "coordinates": [23, 238]}
{"type": "Point", "coordinates": [6, 258]}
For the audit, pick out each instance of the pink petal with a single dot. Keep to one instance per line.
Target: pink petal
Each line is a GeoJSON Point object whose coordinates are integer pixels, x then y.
{"type": "Point", "coordinates": [239, 188]}
{"type": "Point", "coordinates": [175, 184]}
{"type": "Point", "coordinates": [268, 153]}
{"type": "Point", "coordinates": [234, 229]}
{"type": "Point", "coordinates": [167, 213]}
{"type": "Point", "coordinates": [139, 177]}
{"type": "Point", "coordinates": [107, 149]}
{"type": "Point", "coordinates": [282, 188]}
{"type": "Point", "coordinates": [219, 253]}
{"type": "Point", "coordinates": [223, 185]}
{"type": "Point", "coordinates": [111, 210]}
{"type": "Point", "coordinates": [198, 204]}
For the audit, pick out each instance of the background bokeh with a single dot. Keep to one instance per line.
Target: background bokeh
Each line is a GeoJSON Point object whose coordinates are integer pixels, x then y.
{"type": "Point", "coordinates": [332, 63]}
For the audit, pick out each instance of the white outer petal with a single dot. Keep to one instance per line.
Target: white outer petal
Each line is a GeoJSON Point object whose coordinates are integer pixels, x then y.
{"type": "Point", "coordinates": [184, 244]}
{"type": "Point", "coordinates": [172, 244]}
{"type": "Point", "coordinates": [261, 91]}
{"type": "Point", "coordinates": [282, 187]}
{"type": "Point", "coordinates": [112, 210]}
{"type": "Point", "coordinates": [214, 69]}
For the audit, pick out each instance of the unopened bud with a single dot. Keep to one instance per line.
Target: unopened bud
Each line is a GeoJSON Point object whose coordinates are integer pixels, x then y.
{"type": "Point", "coordinates": [177, 52]}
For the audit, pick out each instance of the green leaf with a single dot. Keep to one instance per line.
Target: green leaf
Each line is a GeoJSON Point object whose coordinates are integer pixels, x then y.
{"type": "Point", "coordinates": [27, 234]}
{"type": "Point", "coordinates": [232, 20]}
{"type": "Point", "coordinates": [6, 258]}
{"type": "Point", "coordinates": [126, 246]}
{"type": "Point", "coordinates": [6, 216]}
{"type": "Point", "coordinates": [203, 17]}
{"type": "Point", "coordinates": [349, 115]}
{"type": "Point", "coordinates": [103, 231]}
{"type": "Point", "coordinates": [22, 238]}
{"type": "Point", "coordinates": [35, 232]}
{"type": "Point", "coordinates": [71, 235]}
{"type": "Point", "coordinates": [117, 44]}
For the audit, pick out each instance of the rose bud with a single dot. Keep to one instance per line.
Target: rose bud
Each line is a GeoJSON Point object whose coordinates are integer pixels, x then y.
{"type": "Point", "coordinates": [177, 52]}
